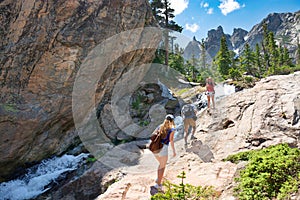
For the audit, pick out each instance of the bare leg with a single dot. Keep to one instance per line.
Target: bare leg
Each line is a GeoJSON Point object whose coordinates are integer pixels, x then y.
{"type": "Point", "coordinates": [194, 130]}
{"type": "Point", "coordinates": [161, 168]}
{"type": "Point", "coordinates": [186, 131]}
{"type": "Point", "coordinates": [208, 101]}
{"type": "Point", "coordinates": [213, 101]}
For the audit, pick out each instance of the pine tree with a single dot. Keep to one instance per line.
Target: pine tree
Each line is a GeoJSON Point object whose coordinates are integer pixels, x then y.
{"type": "Point", "coordinates": [223, 59]}
{"type": "Point", "coordinates": [257, 61]}
{"type": "Point", "coordinates": [164, 14]}
{"type": "Point", "coordinates": [194, 63]}
{"type": "Point", "coordinates": [247, 61]}
{"type": "Point", "coordinates": [272, 49]}
{"type": "Point", "coordinates": [189, 68]}
{"type": "Point", "coordinates": [286, 57]}
{"type": "Point", "coordinates": [265, 44]}
{"type": "Point", "coordinates": [280, 56]}
{"type": "Point", "coordinates": [176, 60]}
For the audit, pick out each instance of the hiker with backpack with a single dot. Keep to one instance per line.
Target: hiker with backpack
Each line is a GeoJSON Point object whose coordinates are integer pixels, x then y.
{"type": "Point", "coordinates": [166, 131]}
{"type": "Point", "coordinates": [188, 113]}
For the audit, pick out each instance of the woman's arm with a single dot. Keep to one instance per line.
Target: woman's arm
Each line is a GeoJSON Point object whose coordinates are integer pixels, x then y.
{"type": "Point", "coordinates": [172, 143]}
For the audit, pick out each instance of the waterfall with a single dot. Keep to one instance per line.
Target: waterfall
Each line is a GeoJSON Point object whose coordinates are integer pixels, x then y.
{"type": "Point", "coordinates": [37, 178]}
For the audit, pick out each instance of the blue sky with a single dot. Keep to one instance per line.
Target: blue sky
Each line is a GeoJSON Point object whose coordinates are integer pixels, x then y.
{"type": "Point", "coordinates": [199, 16]}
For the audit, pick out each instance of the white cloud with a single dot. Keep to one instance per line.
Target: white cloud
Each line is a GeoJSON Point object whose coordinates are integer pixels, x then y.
{"type": "Point", "coordinates": [210, 11]}
{"type": "Point", "coordinates": [192, 27]}
{"type": "Point", "coordinates": [227, 6]}
{"type": "Point", "coordinates": [179, 5]}
{"type": "Point", "coordinates": [204, 4]}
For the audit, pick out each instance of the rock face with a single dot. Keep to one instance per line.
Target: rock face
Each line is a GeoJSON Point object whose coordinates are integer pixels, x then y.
{"type": "Point", "coordinates": [252, 119]}
{"type": "Point", "coordinates": [285, 27]}
{"type": "Point", "coordinates": [192, 49]}
{"type": "Point", "coordinates": [212, 42]}
{"type": "Point", "coordinates": [238, 37]}
{"type": "Point", "coordinates": [43, 44]}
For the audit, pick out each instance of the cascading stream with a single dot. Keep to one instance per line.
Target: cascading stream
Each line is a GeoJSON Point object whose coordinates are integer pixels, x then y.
{"type": "Point", "coordinates": [37, 178]}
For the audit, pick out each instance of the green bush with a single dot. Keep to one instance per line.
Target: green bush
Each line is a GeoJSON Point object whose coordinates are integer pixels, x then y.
{"type": "Point", "coordinates": [235, 74]}
{"type": "Point", "coordinates": [185, 191]}
{"type": "Point", "coordinates": [271, 173]}
{"type": "Point", "coordinates": [248, 79]}
{"type": "Point", "coordinates": [136, 103]}
{"type": "Point", "coordinates": [283, 70]}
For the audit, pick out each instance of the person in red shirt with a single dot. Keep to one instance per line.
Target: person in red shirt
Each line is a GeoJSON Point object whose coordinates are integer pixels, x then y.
{"type": "Point", "coordinates": [210, 92]}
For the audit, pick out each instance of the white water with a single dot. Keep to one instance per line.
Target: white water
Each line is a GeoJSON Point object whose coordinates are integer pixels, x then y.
{"type": "Point", "coordinates": [36, 180]}
{"type": "Point", "coordinates": [223, 90]}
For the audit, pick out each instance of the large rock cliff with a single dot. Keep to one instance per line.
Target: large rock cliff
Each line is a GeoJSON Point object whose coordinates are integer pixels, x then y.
{"type": "Point", "coordinates": [43, 44]}
{"type": "Point", "coordinates": [212, 42]}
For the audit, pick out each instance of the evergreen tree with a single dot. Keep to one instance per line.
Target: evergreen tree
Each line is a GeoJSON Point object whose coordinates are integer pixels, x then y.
{"type": "Point", "coordinates": [280, 56]}
{"type": "Point", "coordinates": [223, 59]}
{"type": "Point", "coordinates": [189, 70]}
{"type": "Point", "coordinates": [258, 62]}
{"type": "Point", "coordinates": [272, 50]}
{"type": "Point", "coordinates": [176, 60]}
{"type": "Point", "coordinates": [157, 6]}
{"type": "Point", "coordinates": [247, 61]}
{"type": "Point", "coordinates": [286, 57]}
{"type": "Point", "coordinates": [193, 67]}
{"type": "Point", "coordinates": [265, 44]}
{"type": "Point", "coordinates": [164, 14]}
{"type": "Point", "coordinates": [234, 60]}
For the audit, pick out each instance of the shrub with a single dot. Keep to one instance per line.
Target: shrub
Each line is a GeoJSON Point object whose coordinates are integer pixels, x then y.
{"type": "Point", "coordinates": [271, 173]}
{"type": "Point", "coordinates": [283, 70]}
{"type": "Point", "coordinates": [235, 74]}
{"type": "Point", "coordinates": [248, 79]}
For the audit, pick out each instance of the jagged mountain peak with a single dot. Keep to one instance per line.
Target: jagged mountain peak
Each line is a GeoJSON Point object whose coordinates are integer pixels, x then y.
{"type": "Point", "coordinates": [285, 26]}
{"type": "Point", "coordinates": [192, 49]}
{"type": "Point", "coordinates": [194, 39]}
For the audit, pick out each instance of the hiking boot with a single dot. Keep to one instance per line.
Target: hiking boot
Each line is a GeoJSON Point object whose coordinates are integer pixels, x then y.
{"type": "Point", "coordinates": [193, 137]}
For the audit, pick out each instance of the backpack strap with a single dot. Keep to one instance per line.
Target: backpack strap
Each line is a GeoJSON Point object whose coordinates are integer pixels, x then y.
{"type": "Point", "coordinates": [167, 139]}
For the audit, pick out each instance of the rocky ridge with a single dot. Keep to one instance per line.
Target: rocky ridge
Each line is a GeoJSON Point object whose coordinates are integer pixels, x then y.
{"type": "Point", "coordinates": [285, 27]}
